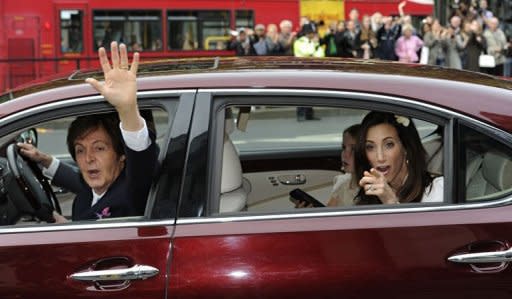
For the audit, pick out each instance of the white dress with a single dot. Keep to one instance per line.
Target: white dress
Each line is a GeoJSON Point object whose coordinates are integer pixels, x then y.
{"type": "Point", "coordinates": [434, 192]}
{"type": "Point", "coordinates": [343, 191]}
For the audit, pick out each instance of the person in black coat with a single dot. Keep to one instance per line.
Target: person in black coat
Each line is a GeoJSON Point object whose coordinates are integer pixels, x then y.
{"type": "Point", "coordinates": [116, 154]}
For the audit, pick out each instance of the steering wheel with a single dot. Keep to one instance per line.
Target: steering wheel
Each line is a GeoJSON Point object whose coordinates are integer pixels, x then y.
{"type": "Point", "coordinates": [34, 196]}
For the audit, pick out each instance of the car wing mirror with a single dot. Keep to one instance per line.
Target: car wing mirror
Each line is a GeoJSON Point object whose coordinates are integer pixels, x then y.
{"type": "Point", "coordinates": [28, 136]}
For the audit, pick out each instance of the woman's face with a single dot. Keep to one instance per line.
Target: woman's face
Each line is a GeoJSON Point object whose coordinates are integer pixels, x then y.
{"type": "Point", "coordinates": [347, 153]}
{"type": "Point", "coordinates": [386, 153]}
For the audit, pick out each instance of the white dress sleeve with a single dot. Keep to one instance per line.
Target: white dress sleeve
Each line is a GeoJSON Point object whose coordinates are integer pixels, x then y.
{"type": "Point", "coordinates": [435, 192]}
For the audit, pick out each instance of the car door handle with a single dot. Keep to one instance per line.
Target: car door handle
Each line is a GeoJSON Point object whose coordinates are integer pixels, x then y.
{"type": "Point", "coordinates": [133, 273]}
{"type": "Point", "coordinates": [483, 257]}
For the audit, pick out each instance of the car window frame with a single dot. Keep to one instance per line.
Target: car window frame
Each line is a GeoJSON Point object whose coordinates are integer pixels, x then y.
{"type": "Point", "coordinates": [411, 107]}
{"type": "Point", "coordinates": [96, 104]}
{"type": "Point", "coordinates": [488, 131]}
{"type": "Point", "coordinates": [353, 100]}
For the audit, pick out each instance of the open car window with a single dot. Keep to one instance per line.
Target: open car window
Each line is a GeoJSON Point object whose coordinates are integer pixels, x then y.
{"type": "Point", "coordinates": [51, 139]}
{"type": "Point", "coordinates": [269, 151]}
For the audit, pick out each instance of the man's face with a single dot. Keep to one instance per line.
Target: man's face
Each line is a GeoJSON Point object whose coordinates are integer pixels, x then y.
{"type": "Point", "coordinates": [354, 15]}
{"type": "Point", "coordinates": [242, 36]}
{"type": "Point", "coordinates": [455, 22]}
{"type": "Point", "coordinates": [260, 31]}
{"type": "Point", "coordinates": [97, 160]}
{"type": "Point", "coordinates": [350, 26]}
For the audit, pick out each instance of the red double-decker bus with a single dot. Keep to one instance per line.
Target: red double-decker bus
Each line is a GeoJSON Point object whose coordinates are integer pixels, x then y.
{"type": "Point", "coordinates": [40, 38]}
{"type": "Point", "coordinates": [47, 37]}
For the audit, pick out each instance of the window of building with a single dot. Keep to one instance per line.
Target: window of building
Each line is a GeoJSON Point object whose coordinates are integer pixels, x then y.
{"type": "Point", "coordinates": [139, 30]}
{"type": "Point", "coordinates": [71, 31]}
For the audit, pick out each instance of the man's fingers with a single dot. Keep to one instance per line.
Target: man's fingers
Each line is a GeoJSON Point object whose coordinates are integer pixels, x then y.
{"type": "Point", "coordinates": [135, 63]}
{"type": "Point", "coordinates": [114, 52]}
{"type": "Point", "coordinates": [95, 84]}
{"type": "Point", "coordinates": [105, 65]}
{"type": "Point", "coordinates": [124, 57]}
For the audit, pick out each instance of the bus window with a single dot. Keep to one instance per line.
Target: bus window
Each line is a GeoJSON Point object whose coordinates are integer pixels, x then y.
{"type": "Point", "coordinates": [71, 38]}
{"type": "Point", "coordinates": [139, 30]}
{"type": "Point", "coordinates": [192, 30]}
{"type": "Point", "coordinates": [244, 19]}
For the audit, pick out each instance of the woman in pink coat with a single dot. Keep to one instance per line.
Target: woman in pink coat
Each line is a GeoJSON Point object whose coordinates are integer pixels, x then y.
{"type": "Point", "coordinates": [408, 45]}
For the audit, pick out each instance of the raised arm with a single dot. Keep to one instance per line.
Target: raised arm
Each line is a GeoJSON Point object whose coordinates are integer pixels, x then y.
{"type": "Point", "coordinates": [120, 86]}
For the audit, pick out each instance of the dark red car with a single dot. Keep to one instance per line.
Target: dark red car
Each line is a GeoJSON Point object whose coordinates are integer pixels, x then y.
{"type": "Point", "coordinates": [233, 143]}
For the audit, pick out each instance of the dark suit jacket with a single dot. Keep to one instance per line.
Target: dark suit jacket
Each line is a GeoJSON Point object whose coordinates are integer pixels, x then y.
{"type": "Point", "coordinates": [126, 196]}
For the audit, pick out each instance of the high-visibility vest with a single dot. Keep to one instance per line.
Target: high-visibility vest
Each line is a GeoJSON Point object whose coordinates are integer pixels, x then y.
{"type": "Point", "coordinates": [304, 47]}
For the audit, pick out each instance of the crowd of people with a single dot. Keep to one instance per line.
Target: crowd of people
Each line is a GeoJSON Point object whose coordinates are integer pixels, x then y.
{"type": "Point", "coordinates": [473, 30]}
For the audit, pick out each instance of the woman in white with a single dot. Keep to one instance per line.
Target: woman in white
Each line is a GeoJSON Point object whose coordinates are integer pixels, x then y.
{"type": "Point", "coordinates": [345, 186]}
{"type": "Point", "coordinates": [390, 163]}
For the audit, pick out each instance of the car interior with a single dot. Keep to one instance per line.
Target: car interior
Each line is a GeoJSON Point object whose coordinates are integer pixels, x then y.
{"type": "Point", "coordinates": [266, 188]}
{"type": "Point", "coordinates": [20, 207]}
{"type": "Point", "coordinates": [260, 167]}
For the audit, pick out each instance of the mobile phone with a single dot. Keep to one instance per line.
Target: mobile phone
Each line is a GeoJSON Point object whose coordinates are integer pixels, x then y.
{"type": "Point", "coordinates": [300, 195]}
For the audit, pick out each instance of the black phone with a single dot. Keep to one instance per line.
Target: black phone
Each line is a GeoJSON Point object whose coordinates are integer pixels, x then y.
{"type": "Point", "coordinates": [300, 195]}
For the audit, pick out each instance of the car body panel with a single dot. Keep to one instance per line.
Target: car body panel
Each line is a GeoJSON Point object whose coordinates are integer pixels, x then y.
{"type": "Point", "coordinates": [47, 258]}
{"type": "Point", "coordinates": [402, 255]}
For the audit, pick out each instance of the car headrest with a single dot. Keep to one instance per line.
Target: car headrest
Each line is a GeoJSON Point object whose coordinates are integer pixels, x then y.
{"type": "Point", "coordinates": [231, 167]}
{"type": "Point", "coordinates": [497, 170]}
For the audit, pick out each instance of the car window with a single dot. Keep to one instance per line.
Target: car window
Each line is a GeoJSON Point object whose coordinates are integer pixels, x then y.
{"type": "Point", "coordinates": [51, 139]}
{"type": "Point", "coordinates": [283, 148]}
{"type": "Point", "coordinates": [281, 128]}
{"type": "Point", "coordinates": [487, 167]}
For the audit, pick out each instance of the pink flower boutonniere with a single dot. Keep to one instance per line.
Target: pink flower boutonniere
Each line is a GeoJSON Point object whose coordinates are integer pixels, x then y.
{"type": "Point", "coordinates": [104, 213]}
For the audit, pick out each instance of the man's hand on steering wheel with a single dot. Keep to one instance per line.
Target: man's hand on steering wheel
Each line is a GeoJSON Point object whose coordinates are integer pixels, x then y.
{"type": "Point", "coordinates": [31, 152]}
{"type": "Point", "coordinates": [27, 176]}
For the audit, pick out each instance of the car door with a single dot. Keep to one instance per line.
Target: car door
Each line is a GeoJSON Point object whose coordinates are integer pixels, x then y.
{"type": "Point", "coordinates": [110, 258]}
{"type": "Point", "coordinates": [401, 251]}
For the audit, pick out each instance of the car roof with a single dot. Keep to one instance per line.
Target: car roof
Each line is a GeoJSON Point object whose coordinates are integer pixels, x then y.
{"type": "Point", "coordinates": [457, 90]}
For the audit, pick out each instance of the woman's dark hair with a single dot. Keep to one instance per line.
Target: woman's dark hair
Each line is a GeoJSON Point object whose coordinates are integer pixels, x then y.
{"type": "Point", "coordinates": [83, 125]}
{"type": "Point", "coordinates": [418, 178]}
{"type": "Point", "coordinates": [353, 131]}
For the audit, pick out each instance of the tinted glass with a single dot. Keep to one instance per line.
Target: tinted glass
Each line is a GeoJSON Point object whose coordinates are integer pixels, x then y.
{"type": "Point", "coordinates": [487, 167]}
{"type": "Point", "coordinates": [192, 30]}
{"type": "Point", "coordinates": [71, 31]}
{"type": "Point", "coordinates": [139, 30]}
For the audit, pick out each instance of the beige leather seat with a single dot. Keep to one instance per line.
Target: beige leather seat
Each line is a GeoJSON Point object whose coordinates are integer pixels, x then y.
{"type": "Point", "coordinates": [434, 149]}
{"type": "Point", "coordinates": [487, 175]}
{"type": "Point", "coordinates": [234, 188]}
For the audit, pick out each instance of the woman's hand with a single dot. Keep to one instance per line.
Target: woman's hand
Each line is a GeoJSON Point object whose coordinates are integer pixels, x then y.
{"type": "Point", "coordinates": [375, 183]}
{"type": "Point", "coordinates": [120, 86]}
{"type": "Point", "coordinates": [299, 204]}
{"type": "Point", "coordinates": [30, 151]}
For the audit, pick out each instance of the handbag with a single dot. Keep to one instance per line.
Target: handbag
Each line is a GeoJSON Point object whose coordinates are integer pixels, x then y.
{"type": "Point", "coordinates": [486, 61]}
{"type": "Point", "coordinates": [424, 55]}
